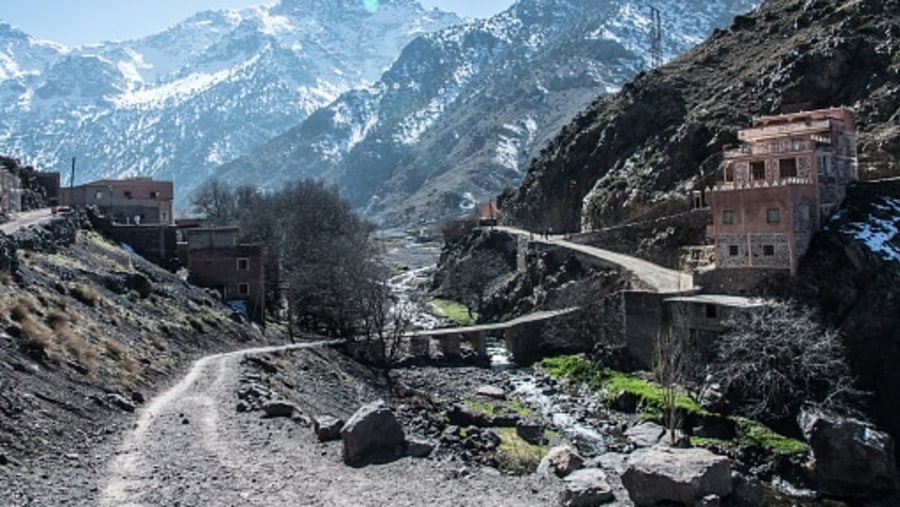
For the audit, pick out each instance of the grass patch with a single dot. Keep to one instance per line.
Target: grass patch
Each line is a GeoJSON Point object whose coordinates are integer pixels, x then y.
{"type": "Point", "coordinates": [755, 433]}
{"type": "Point", "coordinates": [575, 367]}
{"type": "Point", "coordinates": [87, 294]}
{"type": "Point", "coordinates": [456, 312]}
{"type": "Point", "coordinates": [515, 455]}
{"type": "Point", "coordinates": [650, 394]}
{"type": "Point", "coordinates": [500, 408]}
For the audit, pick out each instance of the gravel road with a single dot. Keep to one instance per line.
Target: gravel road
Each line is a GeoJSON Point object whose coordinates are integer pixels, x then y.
{"type": "Point", "coordinates": [190, 447]}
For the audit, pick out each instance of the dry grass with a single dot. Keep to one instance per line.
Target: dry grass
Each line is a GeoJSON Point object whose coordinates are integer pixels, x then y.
{"type": "Point", "coordinates": [37, 336]}
{"type": "Point", "coordinates": [77, 347]}
{"type": "Point", "coordinates": [87, 294]}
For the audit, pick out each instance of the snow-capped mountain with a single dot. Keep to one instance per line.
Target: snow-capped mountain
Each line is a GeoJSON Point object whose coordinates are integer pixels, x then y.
{"type": "Point", "coordinates": [460, 114]}
{"type": "Point", "coordinates": [177, 104]}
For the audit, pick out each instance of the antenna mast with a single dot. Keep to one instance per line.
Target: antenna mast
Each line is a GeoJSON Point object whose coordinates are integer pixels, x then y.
{"type": "Point", "coordinates": [656, 56]}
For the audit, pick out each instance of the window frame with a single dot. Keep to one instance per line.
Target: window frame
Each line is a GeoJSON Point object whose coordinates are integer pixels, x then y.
{"type": "Point", "coordinates": [734, 250]}
{"type": "Point", "coordinates": [242, 260]}
{"type": "Point", "coordinates": [728, 217]}
{"type": "Point", "coordinates": [773, 215]}
{"type": "Point", "coordinates": [243, 289]}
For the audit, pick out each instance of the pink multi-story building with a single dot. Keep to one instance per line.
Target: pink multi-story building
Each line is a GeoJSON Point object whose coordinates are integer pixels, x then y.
{"type": "Point", "coordinates": [777, 189]}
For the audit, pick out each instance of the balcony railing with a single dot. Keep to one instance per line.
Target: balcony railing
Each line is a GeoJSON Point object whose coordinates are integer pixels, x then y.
{"type": "Point", "coordinates": [753, 184]}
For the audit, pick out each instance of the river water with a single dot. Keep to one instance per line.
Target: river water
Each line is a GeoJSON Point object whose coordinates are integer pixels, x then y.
{"type": "Point", "coordinates": [578, 416]}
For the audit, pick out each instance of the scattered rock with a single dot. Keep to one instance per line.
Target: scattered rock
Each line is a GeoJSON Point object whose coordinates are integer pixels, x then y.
{"type": "Point", "coordinates": [278, 408]}
{"type": "Point", "coordinates": [747, 491]}
{"type": "Point", "coordinates": [185, 421]}
{"type": "Point", "coordinates": [561, 460]}
{"type": "Point", "coordinates": [120, 402]}
{"type": "Point", "coordinates": [709, 501]}
{"type": "Point", "coordinates": [625, 401]}
{"type": "Point", "coordinates": [242, 407]}
{"type": "Point", "coordinates": [137, 397]}
{"type": "Point", "coordinates": [3, 460]}
{"type": "Point", "coordinates": [676, 475]}
{"type": "Point", "coordinates": [650, 434]}
{"type": "Point", "coordinates": [531, 431]}
{"type": "Point", "coordinates": [491, 392]}
{"type": "Point", "coordinates": [327, 428]}
{"type": "Point", "coordinates": [586, 488]}
{"type": "Point", "coordinates": [419, 448]}
{"type": "Point", "coordinates": [645, 434]}
{"type": "Point", "coordinates": [852, 458]}
{"type": "Point", "coordinates": [461, 414]}
{"type": "Point", "coordinates": [373, 432]}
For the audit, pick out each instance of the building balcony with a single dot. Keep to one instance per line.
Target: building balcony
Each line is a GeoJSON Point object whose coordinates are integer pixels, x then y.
{"type": "Point", "coordinates": [725, 186]}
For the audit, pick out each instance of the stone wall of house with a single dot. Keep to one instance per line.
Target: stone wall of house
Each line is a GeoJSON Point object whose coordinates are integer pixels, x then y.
{"type": "Point", "coordinates": [155, 243]}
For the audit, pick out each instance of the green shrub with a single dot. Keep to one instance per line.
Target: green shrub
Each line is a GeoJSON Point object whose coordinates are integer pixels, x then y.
{"type": "Point", "coordinates": [456, 312]}
{"type": "Point", "coordinates": [517, 456]}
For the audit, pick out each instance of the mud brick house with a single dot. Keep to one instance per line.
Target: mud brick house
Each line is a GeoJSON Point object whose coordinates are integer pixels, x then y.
{"type": "Point", "coordinates": [130, 201]}
{"type": "Point", "coordinates": [777, 189]}
{"type": "Point", "coordinates": [215, 259]}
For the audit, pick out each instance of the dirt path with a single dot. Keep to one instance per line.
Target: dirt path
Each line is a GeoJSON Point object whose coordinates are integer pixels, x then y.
{"type": "Point", "coordinates": [190, 447]}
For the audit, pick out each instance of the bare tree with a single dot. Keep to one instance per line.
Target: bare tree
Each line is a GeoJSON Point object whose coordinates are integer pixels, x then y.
{"type": "Point", "coordinates": [215, 201]}
{"type": "Point", "coordinates": [670, 363]}
{"type": "Point", "coordinates": [773, 360]}
{"type": "Point", "coordinates": [469, 282]}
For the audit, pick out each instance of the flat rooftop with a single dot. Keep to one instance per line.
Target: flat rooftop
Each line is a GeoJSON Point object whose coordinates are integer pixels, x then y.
{"type": "Point", "coordinates": [719, 300]}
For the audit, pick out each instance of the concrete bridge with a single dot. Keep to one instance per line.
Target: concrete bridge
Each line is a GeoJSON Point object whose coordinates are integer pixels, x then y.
{"type": "Point", "coordinates": [450, 343]}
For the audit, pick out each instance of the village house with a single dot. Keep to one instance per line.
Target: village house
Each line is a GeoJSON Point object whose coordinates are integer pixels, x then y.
{"type": "Point", "coordinates": [131, 201]}
{"type": "Point", "coordinates": [780, 186]}
{"type": "Point", "coordinates": [215, 259]}
{"type": "Point", "coordinates": [488, 213]}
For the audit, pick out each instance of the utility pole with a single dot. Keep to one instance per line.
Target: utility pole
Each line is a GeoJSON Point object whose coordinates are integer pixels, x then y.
{"type": "Point", "coordinates": [72, 178]}
{"type": "Point", "coordinates": [656, 56]}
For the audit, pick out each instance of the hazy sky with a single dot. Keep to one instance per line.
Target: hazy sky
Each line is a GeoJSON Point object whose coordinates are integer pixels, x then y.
{"type": "Point", "coordinates": [75, 22]}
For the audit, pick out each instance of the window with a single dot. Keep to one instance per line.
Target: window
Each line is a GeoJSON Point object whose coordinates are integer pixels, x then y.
{"type": "Point", "coordinates": [128, 194]}
{"type": "Point", "coordinates": [711, 311]}
{"type": "Point", "coordinates": [758, 170]}
{"type": "Point", "coordinates": [154, 195]}
{"type": "Point", "coordinates": [243, 264]}
{"type": "Point", "coordinates": [729, 172]}
{"type": "Point", "coordinates": [243, 289]}
{"type": "Point", "coordinates": [773, 215]}
{"type": "Point", "coordinates": [98, 195]}
{"type": "Point", "coordinates": [727, 216]}
{"type": "Point", "coordinates": [768, 250]}
{"type": "Point", "coordinates": [787, 168]}
{"type": "Point", "coordinates": [733, 250]}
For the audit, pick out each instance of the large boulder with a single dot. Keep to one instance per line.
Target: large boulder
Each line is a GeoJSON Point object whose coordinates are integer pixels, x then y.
{"type": "Point", "coordinates": [676, 475]}
{"type": "Point", "coordinates": [372, 433]}
{"type": "Point", "coordinates": [852, 458]}
{"type": "Point", "coordinates": [278, 408]}
{"type": "Point", "coordinates": [561, 460]}
{"type": "Point", "coordinates": [586, 488]}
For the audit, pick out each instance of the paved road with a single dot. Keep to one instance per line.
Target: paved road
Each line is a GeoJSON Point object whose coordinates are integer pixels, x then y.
{"type": "Point", "coordinates": [657, 277]}
{"type": "Point", "coordinates": [26, 219]}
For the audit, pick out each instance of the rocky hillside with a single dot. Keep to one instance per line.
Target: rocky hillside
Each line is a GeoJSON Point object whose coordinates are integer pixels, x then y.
{"type": "Point", "coordinates": [461, 113]}
{"type": "Point", "coordinates": [852, 273]}
{"type": "Point", "coordinates": [87, 331]}
{"type": "Point", "coordinates": [638, 153]}
{"type": "Point", "coordinates": [177, 104]}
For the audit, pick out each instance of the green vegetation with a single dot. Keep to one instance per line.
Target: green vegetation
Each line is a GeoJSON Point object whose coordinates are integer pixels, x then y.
{"type": "Point", "coordinates": [753, 432]}
{"type": "Point", "coordinates": [456, 312]}
{"type": "Point", "coordinates": [515, 455]}
{"type": "Point", "coordinates": [497, 408]}
{"type": "Point", "coordinates": [575, 367]}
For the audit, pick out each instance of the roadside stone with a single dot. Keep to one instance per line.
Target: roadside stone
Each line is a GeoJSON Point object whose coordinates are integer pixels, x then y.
{"type": "Point", "coordinates": [120, 402]}
{"type": "Point", "coordinates": [852, 458]}
{"type": "Point", "coordinates": [372, 432]}
{"type": "Point", "coordinates": [491, 392]}
{"type": "Point", "coordinates": [419, 448]}
{"type": "Point", "coordinates": [278, 408]}
{"type": "Point", "coordinates": [586, 488]}
{"type": "Point", "coordinates": [327, 428]}
{"type": "Point", "coordinates": [531, 431]}
{"type": "Point", "coordinates": [676, 475]}
{"type": "Point", "coordinates": [561, 460]}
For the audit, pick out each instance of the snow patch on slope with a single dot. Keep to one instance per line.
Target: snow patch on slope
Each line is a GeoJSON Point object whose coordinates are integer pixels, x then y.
{"type": "Point", "coordinates": [880, 234]}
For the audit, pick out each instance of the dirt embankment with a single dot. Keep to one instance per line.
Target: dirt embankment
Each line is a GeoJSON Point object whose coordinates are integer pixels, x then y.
{"type": "Point", "coordinates": [87, 333]}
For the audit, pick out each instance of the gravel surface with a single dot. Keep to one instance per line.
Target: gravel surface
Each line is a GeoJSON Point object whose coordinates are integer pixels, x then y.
{"type": "Point", "coordinates": [189, 446]}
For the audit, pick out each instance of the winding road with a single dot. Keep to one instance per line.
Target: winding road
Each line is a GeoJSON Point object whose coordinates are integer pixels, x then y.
{"type": "Point", "coordinates": [656, 277]}
{"type": "Point", "coordinates": [189, 446]}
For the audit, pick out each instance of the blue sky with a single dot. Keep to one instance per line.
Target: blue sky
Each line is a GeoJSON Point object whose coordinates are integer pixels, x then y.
{"type": "Point", "coordinates": [75, 22]}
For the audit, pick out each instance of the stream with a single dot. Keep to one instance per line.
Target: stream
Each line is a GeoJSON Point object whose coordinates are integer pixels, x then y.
{"type": "Point", "coordinates": [579, 417]}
